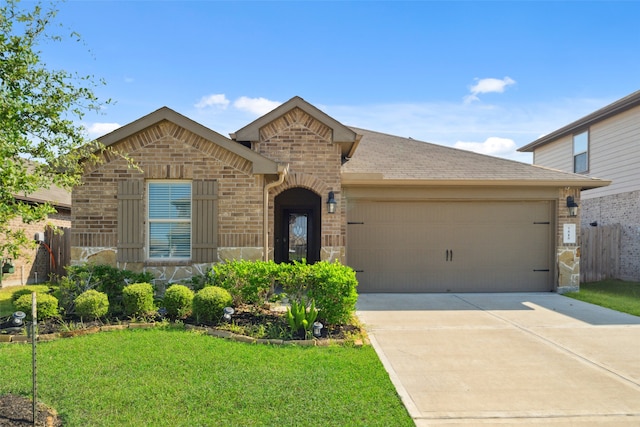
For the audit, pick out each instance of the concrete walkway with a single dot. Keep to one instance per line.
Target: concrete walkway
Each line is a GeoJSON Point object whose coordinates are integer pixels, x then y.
{"type": "Point", "coordinates": [507, 359]}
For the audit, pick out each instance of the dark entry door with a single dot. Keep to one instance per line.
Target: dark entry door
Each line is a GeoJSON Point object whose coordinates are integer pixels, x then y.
{"type": "Point", "coordinates": [297, 239]}
{"type": "Point", "coordinates": [297, 226]}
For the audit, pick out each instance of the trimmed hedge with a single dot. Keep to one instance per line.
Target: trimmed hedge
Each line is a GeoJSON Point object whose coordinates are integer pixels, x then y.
{"type": "Point", "coordinates": [331, 285]}
{"type": "Point", "coordinates": [138, 299]}
{"type": "Point", "coordinates": [92, 304]}
{"type": "Point", "coordinates": [178, 300]}
{"type": "Point", "coordinates": [46, 305]}
{"type": "Point", "coordinates": [209, 303]}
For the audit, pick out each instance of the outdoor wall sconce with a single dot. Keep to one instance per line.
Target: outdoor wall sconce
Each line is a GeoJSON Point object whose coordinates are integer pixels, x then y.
{"type": "Point", "coordinates": [573, 206]}
{"type": "Point", "coordinates": [331, 203]}
{"type": "Point", "coordinates": [228, 311]}
{"type": "Point", "coordinates": [317, 329]}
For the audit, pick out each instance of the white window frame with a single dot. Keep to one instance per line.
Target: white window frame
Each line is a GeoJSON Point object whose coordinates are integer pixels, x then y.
{"type": "Point", "coordinates": [176, 220]}
{"type": "Point", "coordinates": [579, 151]}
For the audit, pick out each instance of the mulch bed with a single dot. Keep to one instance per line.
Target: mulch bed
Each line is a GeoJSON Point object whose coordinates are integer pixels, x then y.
{"type": "Point", "coordinates": [17, 411]}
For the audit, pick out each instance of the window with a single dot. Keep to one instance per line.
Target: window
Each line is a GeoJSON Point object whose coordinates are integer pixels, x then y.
{"type": "Point", "coordinates": [581, 152]}
{"type": "Point", "coordinates": [169, 220]}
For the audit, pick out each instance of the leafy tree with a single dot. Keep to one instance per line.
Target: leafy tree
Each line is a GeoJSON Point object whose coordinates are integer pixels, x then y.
{"type": "Point", "coordinates": [41, 142]}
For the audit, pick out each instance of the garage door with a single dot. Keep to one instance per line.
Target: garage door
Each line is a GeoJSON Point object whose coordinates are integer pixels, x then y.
{"type": "Point", "coordinates": [451, 246]}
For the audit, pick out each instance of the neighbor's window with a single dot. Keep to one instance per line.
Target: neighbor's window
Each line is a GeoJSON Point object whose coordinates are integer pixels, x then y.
{"type": "Point", "coordinates": [169, 219]}
{"type": "Point", "coordinates": [581, 152]}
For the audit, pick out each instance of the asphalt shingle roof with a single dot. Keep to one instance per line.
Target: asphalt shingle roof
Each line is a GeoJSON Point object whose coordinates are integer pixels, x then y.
{"type": "Point", "coordinates": [399, 159]}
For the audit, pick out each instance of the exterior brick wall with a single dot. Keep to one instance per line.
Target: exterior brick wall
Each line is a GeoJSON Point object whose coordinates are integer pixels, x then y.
{"type": "Point", "coordinates": [568, 254]}
{"type": "Point", "coordinates": [623, 209]}
{"type": "Point", "coordinates": [34, 266]}
{"type": "Point", "coordinates": [314, 160]}
{"type": "Point", "coordinates": [167, 151]}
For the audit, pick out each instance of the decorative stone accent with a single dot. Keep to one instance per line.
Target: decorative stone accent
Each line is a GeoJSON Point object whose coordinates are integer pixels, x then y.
{"type": "Point", "coordinates": [568, 269]}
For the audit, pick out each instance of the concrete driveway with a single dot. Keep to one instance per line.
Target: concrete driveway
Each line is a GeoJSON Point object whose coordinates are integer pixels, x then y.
{"type": "Point", "coordinates": [507, 359]}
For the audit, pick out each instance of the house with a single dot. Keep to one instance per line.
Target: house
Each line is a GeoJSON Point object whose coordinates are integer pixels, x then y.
{"type": "Point", "coordinates": [605, 143]}
{"type": "Point", "coordinates": [36, 265]}
{"type": "Point", "coordinates": [408, 216]}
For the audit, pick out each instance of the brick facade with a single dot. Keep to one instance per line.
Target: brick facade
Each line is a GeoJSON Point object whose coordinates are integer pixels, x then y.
{"type": "Point", "coordinates": [35, 265]}
{"type": "Point", "coordinates": [166, 151]}
{"type": "Point", "coordinates": [623, 209]}
{"type": "Point", "coordinates": [306, 145]}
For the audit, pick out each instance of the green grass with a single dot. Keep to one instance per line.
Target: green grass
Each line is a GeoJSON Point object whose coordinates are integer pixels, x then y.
{"type": "Point", "coordinates": [170, 377]}
{"type": "Point", "coordinates": [615, 294]}
{"type": "Point", "coordinates": [6, 307]}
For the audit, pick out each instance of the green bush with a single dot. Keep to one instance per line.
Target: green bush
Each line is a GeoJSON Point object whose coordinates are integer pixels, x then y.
{"type": "Point", "coordinates": [47, 306]}
{"type": "Point", "coordinates": [38, 289]}
{"type": "Point", "coordinates": [248, 282]}
{"type": "Point", "coordinates": [333, 288]}
{"type": "Point", "coordinates": [100, 277]}
{"type": "Point", "coordinates": [209, 304]}
{"type": "Point", "coordinates": [138, 299]}
{"type": "Point", "coordinates": [92, 304]}
{"type": "Point", "coordinates": [295, 279]}
{"type": "Point", "coordinates": [178, 300]}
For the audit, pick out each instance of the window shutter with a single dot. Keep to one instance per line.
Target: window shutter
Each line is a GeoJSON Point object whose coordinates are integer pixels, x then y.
{"type": "Point", "coordinates": [204, 214]}
{"type": "Point", "coordinates": [130, 221]}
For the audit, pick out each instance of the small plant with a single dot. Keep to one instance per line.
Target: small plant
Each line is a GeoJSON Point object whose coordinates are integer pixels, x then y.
{"type": "Point", "coordinates": [47, 306]}
{"type": "Point", "coordinates": [300, 319]}
{"type": "Point", "coordinates": [92, 304]}
{"type": "Point", "coordinates": [178, 301]}
{"type": "Point", "coordinates": [138, 299]}
{"type": "Point", "coordinates": [38, 289]}
{"type": "Point", "coordinates": [209, 303]}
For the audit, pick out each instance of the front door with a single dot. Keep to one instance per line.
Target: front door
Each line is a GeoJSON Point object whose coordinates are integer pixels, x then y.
{"type": "Point", "coordinates": [297, 226]}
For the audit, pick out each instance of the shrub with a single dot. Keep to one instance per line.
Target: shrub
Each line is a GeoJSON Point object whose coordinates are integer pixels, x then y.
{"type": "Point", "coordinates": [100, 277]}
{"type": "Point", "coordinates": [138, 299]}
{"type": "Point", "coordinates": [38, 289]}
{"type": "Point", "coordinates": [295, 279]}
{"type": "Point", "coordinates": [209, 304]}
{"type": "Point", "coordinates": [47, 306]}
{"type": "Point", "coordinates": [178, 300]}
{"type": "Point", "coordinates": [248, 282]}
{"type": "Point", "coordinates": [333, 288]}
{"type": "Point", "coordinates": [92, 304]}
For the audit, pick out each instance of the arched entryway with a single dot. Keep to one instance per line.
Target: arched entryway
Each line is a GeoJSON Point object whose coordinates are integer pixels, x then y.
{"type": "Point", "coordinates": [297, 226]}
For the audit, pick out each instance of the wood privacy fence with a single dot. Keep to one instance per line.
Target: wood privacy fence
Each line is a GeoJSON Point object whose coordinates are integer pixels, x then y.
{"type": "Point", "coordinates": [60, 245]}
{"type": "Point", "coordinates": [600, 253]}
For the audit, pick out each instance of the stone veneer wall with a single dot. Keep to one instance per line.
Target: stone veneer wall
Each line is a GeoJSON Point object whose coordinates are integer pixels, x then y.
{"type": "Point", "coordinates": [314, 160]}
{"type": "Point", "coordinates": [34, 266]}
{"type": "Point", "coordinates": [167, 151]}
{"type": "Point", "coordinates": [623, 209]}
{"type": "Point", "coordinates": [568, 254]}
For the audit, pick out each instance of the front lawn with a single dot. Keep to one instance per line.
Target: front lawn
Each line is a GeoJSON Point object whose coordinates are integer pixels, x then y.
{"type": "Point", "coordinates": [169, 377]}
{"type": "Point", "coordinates": [615, 294]}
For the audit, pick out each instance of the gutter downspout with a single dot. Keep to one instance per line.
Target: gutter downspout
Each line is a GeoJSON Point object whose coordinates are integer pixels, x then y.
{"type": "Point", "coordinates": [282, 174]}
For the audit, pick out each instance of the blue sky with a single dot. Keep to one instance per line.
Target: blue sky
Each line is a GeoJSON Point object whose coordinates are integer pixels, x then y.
{"type": "Point", "coordinates": [485, 76]}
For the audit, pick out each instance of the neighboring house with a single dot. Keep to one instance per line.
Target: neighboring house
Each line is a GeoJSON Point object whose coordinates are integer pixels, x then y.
{"type": "Point", "coordinates": [606, 144]}
{"type": "Point", "coordinates": [409, 216]}
{"type": "Point", "coordinates": [35, 266]}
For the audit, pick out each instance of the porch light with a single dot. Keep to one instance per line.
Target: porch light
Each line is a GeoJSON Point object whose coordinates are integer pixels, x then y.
{"type": "Point", "coordinates": [573, 206]}
{"type": "Point", "coordinates": [331, 203]}
{"type": "Point", "coordinates": [228, 311]}
{"type": "Point", "coordinates": [317, 329]}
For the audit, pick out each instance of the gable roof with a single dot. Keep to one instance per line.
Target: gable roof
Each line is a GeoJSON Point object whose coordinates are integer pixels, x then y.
{"type": "Point", "coordinates": [341, 134]}
{"type": "Point", "coordinates": [621, 105]}
{"type": "Point", "coordinates": [391, 160]}
{"type": "Point", "coordinates": [261, 164]}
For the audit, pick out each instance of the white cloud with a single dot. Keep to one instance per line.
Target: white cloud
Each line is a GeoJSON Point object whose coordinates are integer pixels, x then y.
{"type": "Point", "coordinates": [214, 100]}
{"type": "Point", "coordinates": [493, 146]}
{"type": "Point", "coordinates": [489, 85]}
{"type": "Point", "coordinates": [98, 129]}
{"type": "Point", "coordinates": [258, 106]}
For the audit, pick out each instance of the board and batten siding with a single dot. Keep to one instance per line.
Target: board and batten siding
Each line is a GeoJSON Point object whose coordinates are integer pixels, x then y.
{"type": "Point", "coordinates": [130, 221]}
{"type": "Point", "coordinates": [204, 235]}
